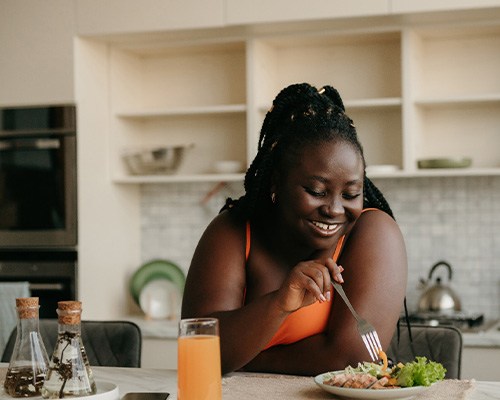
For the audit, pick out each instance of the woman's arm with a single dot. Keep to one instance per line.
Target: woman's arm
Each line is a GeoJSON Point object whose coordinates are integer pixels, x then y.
{"type": "Point", "coordinates": [374, 259]}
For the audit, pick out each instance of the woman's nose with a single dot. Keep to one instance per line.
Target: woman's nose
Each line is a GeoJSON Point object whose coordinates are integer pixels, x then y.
{"type": "Point", "coordinates": [334, 206]}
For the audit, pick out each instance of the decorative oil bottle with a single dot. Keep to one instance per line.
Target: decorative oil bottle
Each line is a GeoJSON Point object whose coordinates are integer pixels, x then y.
{"type": "Point", "coordinates": [29, 361]}
{"type": "Point", "coordinates": [69, 373]}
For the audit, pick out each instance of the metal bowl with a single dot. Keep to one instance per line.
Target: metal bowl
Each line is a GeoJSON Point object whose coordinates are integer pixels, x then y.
{"type": "Point", "coordinates": [159, 160]}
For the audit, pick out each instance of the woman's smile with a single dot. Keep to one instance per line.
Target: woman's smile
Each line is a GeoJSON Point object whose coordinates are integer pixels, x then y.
{"type": "Point", "coordinates": [326, 229]}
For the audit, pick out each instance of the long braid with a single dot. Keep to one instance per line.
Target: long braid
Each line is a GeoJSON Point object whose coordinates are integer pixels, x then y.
{"type": "Point", "coordinates": [300, 115]}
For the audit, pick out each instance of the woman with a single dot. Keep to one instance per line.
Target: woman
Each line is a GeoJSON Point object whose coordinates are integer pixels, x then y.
{"type": "Point", "coordinates": [264, 265]}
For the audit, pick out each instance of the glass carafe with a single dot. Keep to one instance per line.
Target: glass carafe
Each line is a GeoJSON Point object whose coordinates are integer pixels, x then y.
{"type": "Point", "coordinates": [69, 373]}
{"type": "Point", "coordinates": [29, 361]}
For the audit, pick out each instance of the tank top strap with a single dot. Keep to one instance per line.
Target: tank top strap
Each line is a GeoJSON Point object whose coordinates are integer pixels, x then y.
{"type": "Point", "coordinates": [247, 244]}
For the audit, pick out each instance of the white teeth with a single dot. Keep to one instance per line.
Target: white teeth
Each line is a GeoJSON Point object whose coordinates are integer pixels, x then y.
{"type": "Point", "coordinates": [325, 226]}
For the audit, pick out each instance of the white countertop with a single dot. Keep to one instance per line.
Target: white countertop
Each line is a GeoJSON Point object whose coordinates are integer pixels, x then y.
{"type": "Point", "coordinates": [167, 329]}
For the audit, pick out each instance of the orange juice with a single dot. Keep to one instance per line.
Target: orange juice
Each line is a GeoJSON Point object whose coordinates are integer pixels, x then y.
{"type": "Point", "coordinates": [199, 371]}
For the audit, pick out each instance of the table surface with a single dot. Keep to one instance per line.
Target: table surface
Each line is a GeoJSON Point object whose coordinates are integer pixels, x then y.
{"type": "Point", "coordinates": [238, 386]}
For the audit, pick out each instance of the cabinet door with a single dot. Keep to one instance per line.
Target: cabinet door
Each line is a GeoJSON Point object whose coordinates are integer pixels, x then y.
{"type": "Point", "coordinates": [407, 6]}
{"type": "Point", "coordinates": [257, 11]}
{"type": "Point", "coordinates": [132, 16]}
{"type": "Point", "coordinates": [36, 43]}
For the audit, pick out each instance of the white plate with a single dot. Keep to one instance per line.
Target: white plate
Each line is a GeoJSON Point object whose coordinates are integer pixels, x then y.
{"type": "Point", "coordinates": [381, 394]}
{"type": "Point", "coordinates": [160, 299]}
{"type": "Point", "coordinates": [105, 391]}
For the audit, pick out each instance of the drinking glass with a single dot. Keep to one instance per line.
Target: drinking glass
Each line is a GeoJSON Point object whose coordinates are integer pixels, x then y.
{"type": "Point", "coordinates": [198, 369]}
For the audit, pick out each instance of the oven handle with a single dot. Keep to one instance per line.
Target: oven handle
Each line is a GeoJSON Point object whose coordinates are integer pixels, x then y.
{"type": "Point", "coordinates": [46, 286]}
{"type": "Point", "coordinates": [30, 144]}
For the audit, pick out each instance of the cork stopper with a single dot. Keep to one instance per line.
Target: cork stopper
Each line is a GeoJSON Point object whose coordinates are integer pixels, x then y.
{"type": "Point", "coordinates": [69, 312]}
{"type": "Point", "coordinates": [27, 307]}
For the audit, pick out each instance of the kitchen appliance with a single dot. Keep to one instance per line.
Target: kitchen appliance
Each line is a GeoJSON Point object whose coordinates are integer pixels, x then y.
{"type": "Point", "coordinates": [440, 305]}
{"type": "Point", "coordinates": [52, 275]}
{"type": "Point", "coordinates": [38, 177]}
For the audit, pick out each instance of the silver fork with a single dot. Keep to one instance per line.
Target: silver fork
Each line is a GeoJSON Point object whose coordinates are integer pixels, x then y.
{"type": "Point", "coordinates": [365, 329]}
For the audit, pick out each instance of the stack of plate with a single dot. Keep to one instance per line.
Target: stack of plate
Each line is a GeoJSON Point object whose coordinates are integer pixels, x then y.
{"type": "Point", "coordinates": [157, 288]}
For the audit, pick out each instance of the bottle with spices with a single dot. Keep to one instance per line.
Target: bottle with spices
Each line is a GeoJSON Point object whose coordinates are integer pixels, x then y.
{"type": "Point", "coordinates": [29, 361]}
{"type": "Point", "coordinates": [69, 373]}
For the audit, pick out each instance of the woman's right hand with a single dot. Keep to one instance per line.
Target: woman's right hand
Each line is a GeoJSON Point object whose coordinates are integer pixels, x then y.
{"type": "Point", "coordinates": [308, 282]}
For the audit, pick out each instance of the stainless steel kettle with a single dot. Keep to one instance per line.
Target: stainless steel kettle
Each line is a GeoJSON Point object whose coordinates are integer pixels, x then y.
{"type": "Point", "coordinates": [438, 297]}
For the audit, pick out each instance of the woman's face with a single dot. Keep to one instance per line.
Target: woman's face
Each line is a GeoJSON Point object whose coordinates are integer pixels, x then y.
{"type": "Point", "coordinates": [320, 197]}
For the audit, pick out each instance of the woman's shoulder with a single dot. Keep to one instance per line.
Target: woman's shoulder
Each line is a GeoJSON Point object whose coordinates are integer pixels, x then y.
{"type": "Point", "coordinates": [225, 228]}
{"type": "Point", "coordinates": [377, 226]}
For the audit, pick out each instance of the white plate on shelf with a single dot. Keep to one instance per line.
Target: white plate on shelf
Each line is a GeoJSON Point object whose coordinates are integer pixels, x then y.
{"type": "Point", "coordinates": [367, 394]}
{"type": "Point", "coordinates": [160, 299]}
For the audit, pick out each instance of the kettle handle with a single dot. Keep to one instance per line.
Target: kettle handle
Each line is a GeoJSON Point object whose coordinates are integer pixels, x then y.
{"type": "Point", "coordinates": [439, 263]}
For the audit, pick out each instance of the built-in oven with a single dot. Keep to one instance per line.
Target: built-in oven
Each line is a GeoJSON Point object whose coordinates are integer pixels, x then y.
{"type": "Point", "coordinates": [38, 177]}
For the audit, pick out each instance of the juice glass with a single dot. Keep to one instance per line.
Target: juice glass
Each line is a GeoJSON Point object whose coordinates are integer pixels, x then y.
{"type": "Point", "coordinates": [198, 366]}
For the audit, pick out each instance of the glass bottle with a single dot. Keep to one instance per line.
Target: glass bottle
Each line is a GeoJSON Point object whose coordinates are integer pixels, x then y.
{"type": "Point", "coordinates": [69, 373]}
{"type": "Point", "coordinates": [29, 361]}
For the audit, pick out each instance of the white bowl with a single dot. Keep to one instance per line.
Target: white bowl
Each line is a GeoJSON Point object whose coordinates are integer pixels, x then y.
{"type": "Point", "coordinates": [228, 167]}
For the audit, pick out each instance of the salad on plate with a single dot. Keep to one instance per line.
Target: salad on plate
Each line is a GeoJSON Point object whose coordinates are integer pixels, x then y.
{"type": "Point", "coordinates": [368, 375]}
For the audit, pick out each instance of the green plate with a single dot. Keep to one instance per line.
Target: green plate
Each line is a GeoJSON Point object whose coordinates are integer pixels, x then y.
{"type": "Point", "coordinates": [153, 270]}
{"type": "Point", "coordinates": [445, 163]}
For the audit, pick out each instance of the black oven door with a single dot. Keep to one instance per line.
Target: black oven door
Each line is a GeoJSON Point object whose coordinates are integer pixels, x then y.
{"type": "Point", "coordinates": [37, 184]}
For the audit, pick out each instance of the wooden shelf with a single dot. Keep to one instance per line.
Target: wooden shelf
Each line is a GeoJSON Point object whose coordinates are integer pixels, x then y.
{"type": "Point", "coordinates": [178, 178]}
{"type": "Point", "coordinates": [184, 111]}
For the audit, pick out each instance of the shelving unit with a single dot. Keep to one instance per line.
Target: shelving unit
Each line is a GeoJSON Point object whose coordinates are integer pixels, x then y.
{"type": "Point", "coordinates": [413, 92]}
{"type": "Point", "coordinates": [170, 95]}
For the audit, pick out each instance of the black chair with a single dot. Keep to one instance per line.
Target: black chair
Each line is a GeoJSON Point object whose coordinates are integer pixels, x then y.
{"type": "Point", "coordinates": [442, 344]}
{"type": "Point", "coordinates": [107, 343]}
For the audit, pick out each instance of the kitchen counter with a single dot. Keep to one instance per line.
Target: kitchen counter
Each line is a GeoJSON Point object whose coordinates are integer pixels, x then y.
{"type": "Point", "coordinates": [489, 336]}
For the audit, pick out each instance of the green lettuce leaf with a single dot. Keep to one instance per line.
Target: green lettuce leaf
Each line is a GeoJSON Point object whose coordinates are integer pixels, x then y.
{"type": "Point", "coordinates": [420, 372]}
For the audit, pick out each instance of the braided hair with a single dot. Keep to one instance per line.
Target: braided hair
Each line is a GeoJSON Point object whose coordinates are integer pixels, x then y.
{"type": "Point", "coordinates": [300, 115]}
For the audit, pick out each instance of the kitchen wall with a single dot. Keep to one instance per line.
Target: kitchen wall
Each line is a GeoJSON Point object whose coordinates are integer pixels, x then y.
{"type": "Point", "coordinates": [456, 219]}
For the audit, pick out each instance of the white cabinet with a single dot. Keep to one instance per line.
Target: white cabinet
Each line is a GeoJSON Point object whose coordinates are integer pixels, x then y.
{"type": "Point", "coordinates": [480, 363]}
{"type": "Point", "coordinates": [259, 11]}
{"type": "Point", "coordinates": [160, 353]}
{"type": "Point", "coordinates": [97, 17]}
{"type": "Point", "coordinates": [36, 43]}
{"type": "Point", "coordinates": [414, 91]}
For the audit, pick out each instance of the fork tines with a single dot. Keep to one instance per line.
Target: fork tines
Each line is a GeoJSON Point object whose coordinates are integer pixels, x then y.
{"type": "Point", "coordinates": [372, 343]}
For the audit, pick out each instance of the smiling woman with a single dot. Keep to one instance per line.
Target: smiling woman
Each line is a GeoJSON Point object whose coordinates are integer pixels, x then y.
{"type": "Point", "coordinates": [309, 215]}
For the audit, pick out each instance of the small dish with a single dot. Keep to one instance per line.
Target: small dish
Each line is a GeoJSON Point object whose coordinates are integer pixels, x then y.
{"type": "Point", "coordinates": [228, 167]}
{"type": "Point", "coordinates": [367, 394]}
{"type": "Point", "coordinates": [381, 169]}
{"type": "Point", "coordinates": [463, 162]}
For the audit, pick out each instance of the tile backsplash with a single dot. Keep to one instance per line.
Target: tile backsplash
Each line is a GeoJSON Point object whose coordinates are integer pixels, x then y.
{"type": "Point", "coordinates": [456, 219]}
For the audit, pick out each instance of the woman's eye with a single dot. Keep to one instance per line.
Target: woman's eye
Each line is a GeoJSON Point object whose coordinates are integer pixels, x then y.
{"type": "Point", "coordinates": [316, 193]}
{"type": "Point", "coordinates": [349, 196]}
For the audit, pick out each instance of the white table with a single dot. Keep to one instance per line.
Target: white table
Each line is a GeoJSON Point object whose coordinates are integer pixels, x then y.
{"type": "Point", "coordinates": [282, 386]}
{"type": "Point", "coordinates": [131, 379]}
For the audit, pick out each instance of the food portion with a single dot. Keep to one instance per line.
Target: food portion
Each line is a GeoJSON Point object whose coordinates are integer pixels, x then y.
{"type": "Point", "coordinates": [367, 375]}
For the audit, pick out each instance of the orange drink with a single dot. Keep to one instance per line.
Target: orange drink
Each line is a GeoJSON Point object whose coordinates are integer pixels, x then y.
{"type": "Point", "coordinates": [199, 369]}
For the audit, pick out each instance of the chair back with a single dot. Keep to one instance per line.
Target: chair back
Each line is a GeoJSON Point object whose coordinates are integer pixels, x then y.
{"type": "Point", "coordinates": [442, 344]}
{"type": "Point", "coordinates": [107, 343]}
